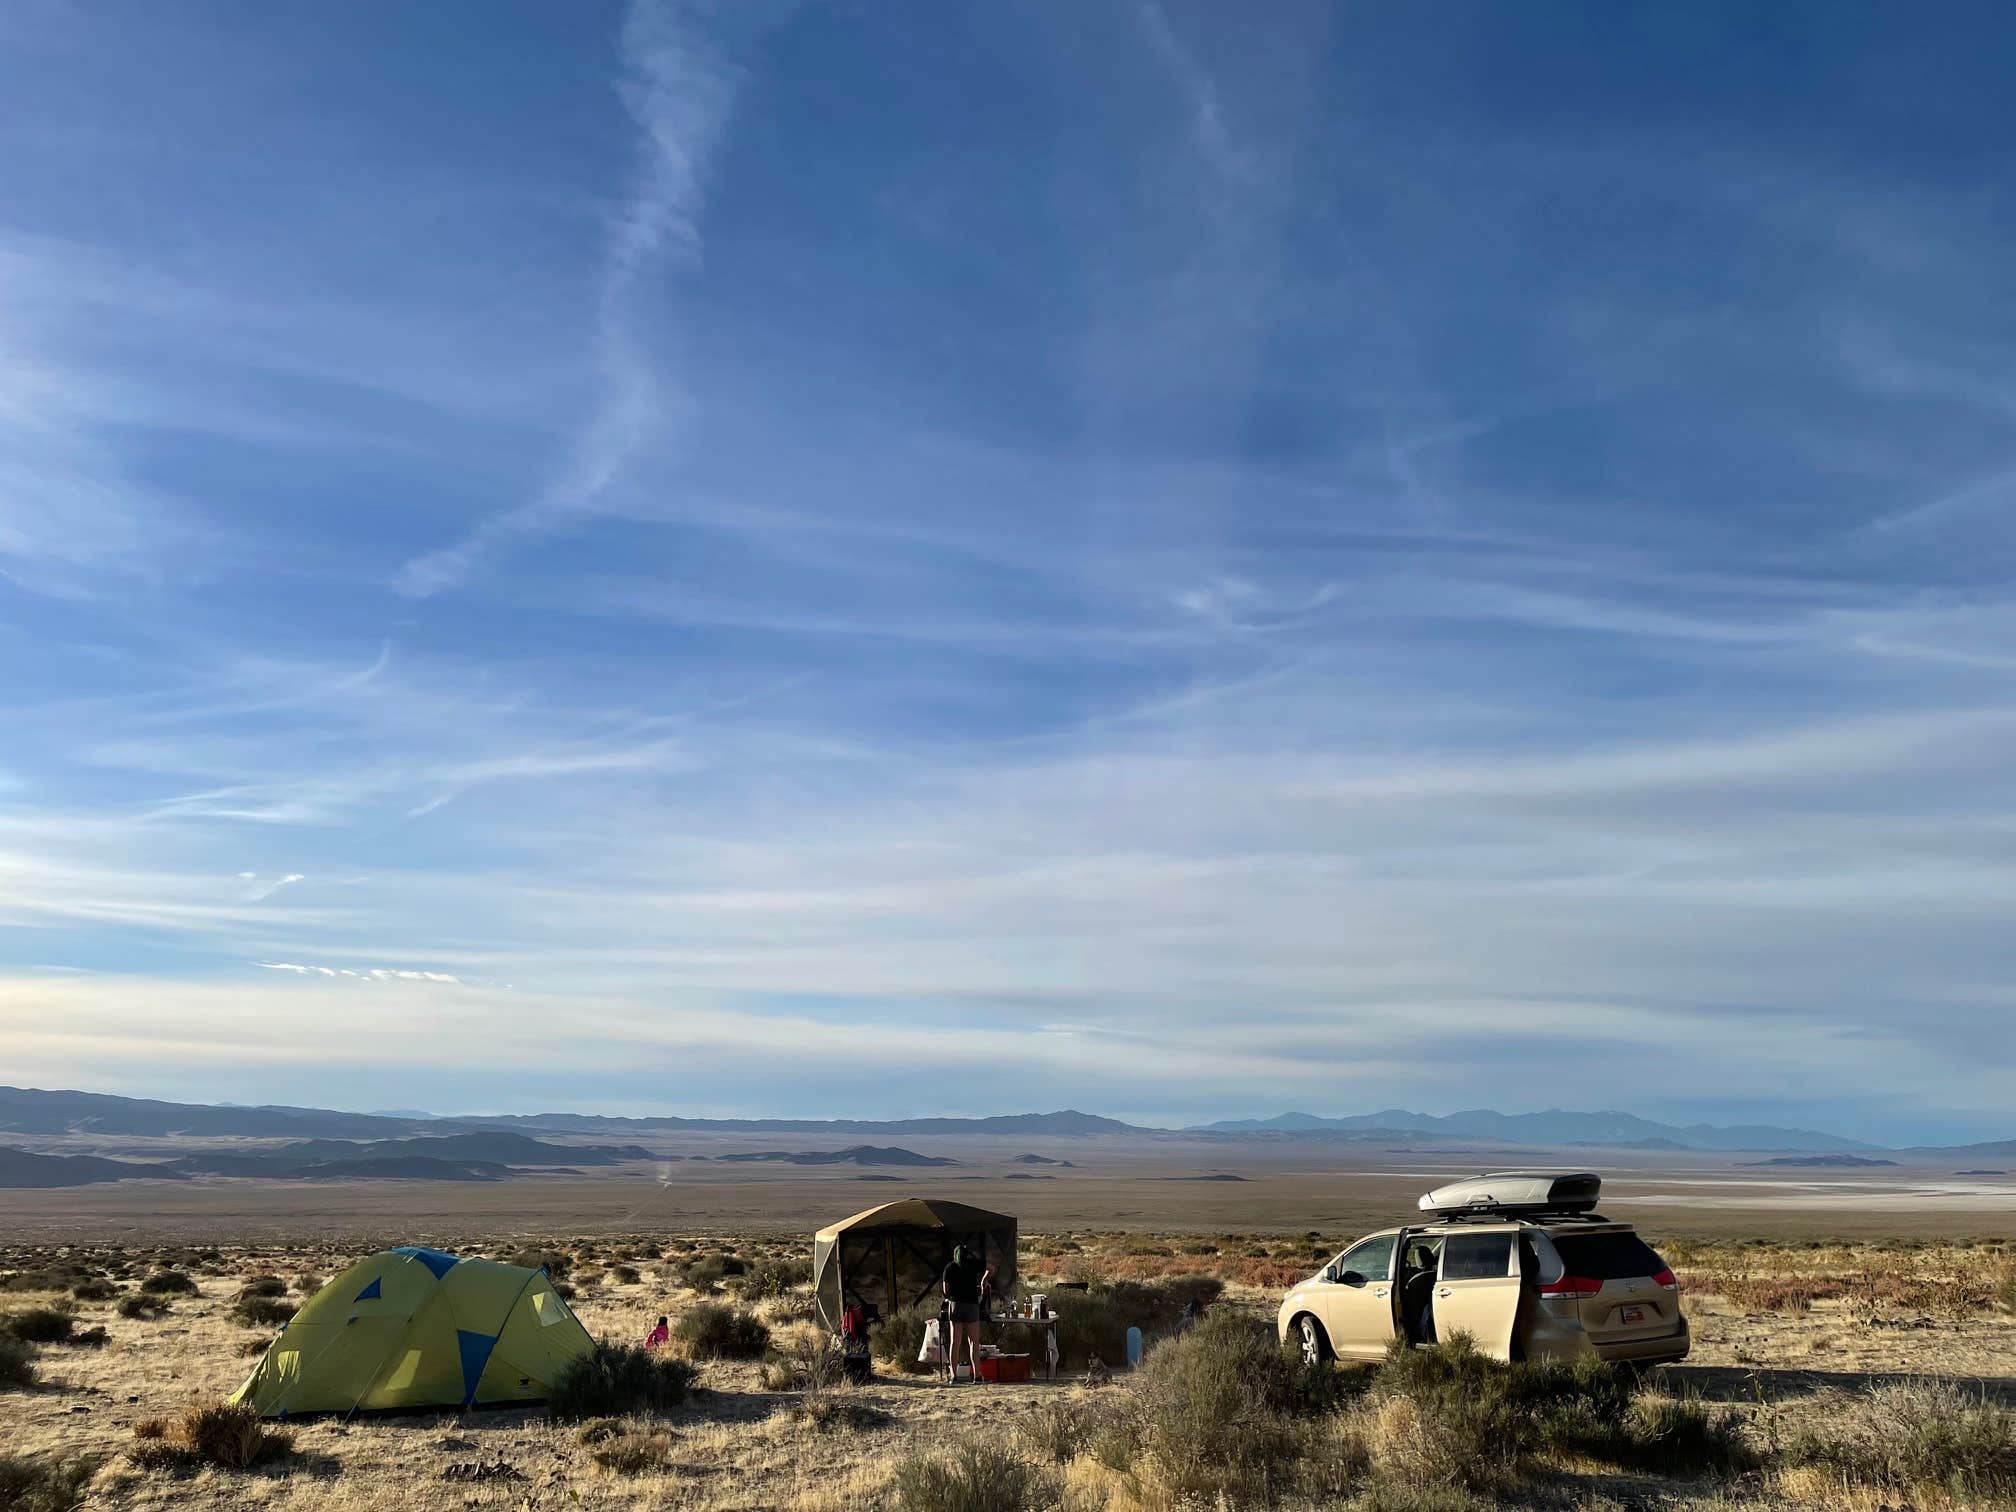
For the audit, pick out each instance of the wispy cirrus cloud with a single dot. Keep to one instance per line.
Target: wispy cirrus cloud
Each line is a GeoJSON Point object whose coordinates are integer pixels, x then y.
{"type": "Point", "coordinates": [1301, 562]}
{"type": "Point", "coordinates": [1209, 129]}
{"type": "Point", "coordinates": [678, 91]}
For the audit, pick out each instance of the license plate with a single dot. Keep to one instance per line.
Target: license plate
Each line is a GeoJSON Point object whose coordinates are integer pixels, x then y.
{"type": "Point", "coordinates": [1632, 1315]}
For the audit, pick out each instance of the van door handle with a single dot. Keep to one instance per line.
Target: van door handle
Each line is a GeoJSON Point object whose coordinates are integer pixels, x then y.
{"type": "Point", "coordinates": [1442, 1291]}
{"type": "Point", "coordinates": [1379, 1291]}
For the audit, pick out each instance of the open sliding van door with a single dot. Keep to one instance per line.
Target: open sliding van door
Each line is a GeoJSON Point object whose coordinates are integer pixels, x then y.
{"type": "Point", "coordinates": [1477, 1288]}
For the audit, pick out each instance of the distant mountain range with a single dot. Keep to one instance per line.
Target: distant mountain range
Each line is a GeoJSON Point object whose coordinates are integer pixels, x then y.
{"type": "Point", "coordinates": [20, 1168]}
{"type": "Point", "coordinates": [489, 1155]}
{"type": "Point", "coordinates": [1554, 1127]}
{"type": "Point", "coordinates": [1067, 1122]}
{"type": "Point", "coordinates": [491, 1146]}
{"type": "Point", "coordinates": [29, 1111]}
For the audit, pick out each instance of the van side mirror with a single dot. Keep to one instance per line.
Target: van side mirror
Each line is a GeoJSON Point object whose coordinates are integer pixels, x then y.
{"type": "Point", "coordinates": [1351, 1278]}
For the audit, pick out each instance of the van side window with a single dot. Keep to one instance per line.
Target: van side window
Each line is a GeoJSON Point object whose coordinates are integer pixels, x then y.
{"type": "Point", "coordinates": [1538, 1259]}
{"type": "Point", "coordinates": [1472, 1257]}
{"type": "Point", "coordinates": [1373, 1259]}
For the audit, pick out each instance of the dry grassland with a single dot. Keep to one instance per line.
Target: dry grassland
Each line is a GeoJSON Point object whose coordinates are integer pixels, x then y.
{"type": "Point", "coordinates": [1796, 1346]}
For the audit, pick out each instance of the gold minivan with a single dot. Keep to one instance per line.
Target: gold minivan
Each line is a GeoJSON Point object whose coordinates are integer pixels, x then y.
{"type": "Point", "coordinates": [1518, 1260]}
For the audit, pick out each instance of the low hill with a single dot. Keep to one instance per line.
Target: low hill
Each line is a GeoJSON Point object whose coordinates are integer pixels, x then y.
{"type": "Point", "coordinates": [1993, 1149]}
{"type": "Point", "coordinates": [22, 1169]}
{"type": "Point", "coordinates": [1818, 1162]}
{"type": "Point", "coordinates": [865, 1155]}
{"type": "Point", "coordinates": [489, 1146]}
{"type": "Point", "coordinates": [402, 1168]}
{"type": "Point", "coordinates": [273, 1165]}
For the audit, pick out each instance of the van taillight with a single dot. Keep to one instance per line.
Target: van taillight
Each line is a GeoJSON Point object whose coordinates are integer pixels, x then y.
{"type": "Point", "coordinates": [1571, 1288]}
{"type": "Point", "coordinates": [1664, 1277]}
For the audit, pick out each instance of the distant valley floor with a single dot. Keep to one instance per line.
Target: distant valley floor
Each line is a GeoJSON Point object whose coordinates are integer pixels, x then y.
{"type": "Point", "coordinates": [1108, 1184]}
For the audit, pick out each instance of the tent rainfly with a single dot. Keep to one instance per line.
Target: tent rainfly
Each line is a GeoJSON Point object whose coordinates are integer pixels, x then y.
{"type": "Point", "coordinates": [416, 1327]}
{"type": "Point", "coordinates": [893, 1255]}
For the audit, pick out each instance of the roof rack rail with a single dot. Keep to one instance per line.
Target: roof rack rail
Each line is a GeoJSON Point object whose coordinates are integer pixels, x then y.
{"type": "Point", "coordinates": [1506, 1214]}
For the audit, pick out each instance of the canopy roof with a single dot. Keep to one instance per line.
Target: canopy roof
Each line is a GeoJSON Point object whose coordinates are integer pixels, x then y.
{"type": "Point", "coordinates": [893, 1255]}
{"type": "Point", "coordinates": [915, 1213]}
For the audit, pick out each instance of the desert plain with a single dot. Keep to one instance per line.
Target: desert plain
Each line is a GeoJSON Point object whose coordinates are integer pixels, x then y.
{"type": "Point", "coordinates": [1823, 1301]}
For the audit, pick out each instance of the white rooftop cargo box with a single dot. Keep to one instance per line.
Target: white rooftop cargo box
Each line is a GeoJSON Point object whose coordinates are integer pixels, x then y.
{"type": "Point", "coordinates": [1517, 1192]}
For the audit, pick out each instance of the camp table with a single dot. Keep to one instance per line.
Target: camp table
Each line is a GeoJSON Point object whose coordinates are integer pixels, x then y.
{"type": "Point", "coordinates": [1048, 1325]}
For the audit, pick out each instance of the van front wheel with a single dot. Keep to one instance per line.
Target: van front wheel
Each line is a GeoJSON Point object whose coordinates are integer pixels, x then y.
{"type": "Point", "coordinates": [1315, 1343]}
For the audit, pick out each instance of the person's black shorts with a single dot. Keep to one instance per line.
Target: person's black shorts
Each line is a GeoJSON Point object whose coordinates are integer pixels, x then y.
{"type": "Point", "coordinates": [965, 1312]}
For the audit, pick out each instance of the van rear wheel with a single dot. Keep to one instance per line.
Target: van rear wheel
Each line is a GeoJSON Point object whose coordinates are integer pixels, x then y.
{"type": "Point", "coordinates": [1315, 1342]}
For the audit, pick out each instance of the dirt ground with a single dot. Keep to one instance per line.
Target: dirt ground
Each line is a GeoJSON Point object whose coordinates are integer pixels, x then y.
{"type": "Point", "coordinates": [1807, 1324]}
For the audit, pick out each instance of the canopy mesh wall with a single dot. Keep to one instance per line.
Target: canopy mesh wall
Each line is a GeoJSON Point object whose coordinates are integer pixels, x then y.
{"type": "Point", "coordinates": [893, 1255]}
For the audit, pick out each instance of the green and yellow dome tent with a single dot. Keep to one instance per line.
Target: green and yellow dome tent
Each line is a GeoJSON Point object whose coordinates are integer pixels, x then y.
{"type": "Point", "coordinates": [415, 1327]}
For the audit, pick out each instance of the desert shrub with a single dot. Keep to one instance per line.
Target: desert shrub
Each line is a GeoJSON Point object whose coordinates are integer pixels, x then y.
{"type": "Point", "coordinates": [773, 1278]}
{"type": "Point", "coordinates": [901, 1335]}
{"type": "Point", "coordinates": [262, 1286]}
{"type": "Point", "coordinates": [1057, 1432]}
{"type": "Point", "coordinates": [308, 1283]}
{"type": "Point", "coordinates": [17, 1361]}
{"type": "Point", "coordinates": [1449, 1416]}
{"type": "Point", "coordinates": [706, 1273]}
{"type": "Point", "coordinates": [625, 1275]}
{"type": "Point", "coordinates": [40, 1325]}
{"type": "Point", "coordinates": [169, 1283]}
{"type": "Point", "coordinates": [972, 1478]}
{"type": "Point", "coordinates": [52, 1278]}
{"type": "Point", "coordinates": [715, 1331]}
{"type": "Point", "coordinates": [94, 1290]}
{"type": "Point", "coordinates": [597, 1430]}
{"type": "Point", "coordinates": [1787, 1294]}
{"type": "Point", "coordinates": [833, 1407]}
{"type": "Point", "coordinates": [804, 1361]}
{"type": "Point", "coordinates": [556, 1263]}
{"type": "Point", "coordinates": [613, 1379]}
{"type": "Point", "coordinates": [142, 1307]}
{"type": "Point", "coordinates": [1683, 1436]}
{"type": "Point", "coordinates": [262, 1312]}
{"type": "Point", "coordinates": [1913, 1440]}
{"type": "Point", "coordinates": [1215, 1411]}
{"type": "Point", "coordinates": [1400, 1496]}
{"type": "Point", "coordinates": [633, 1451]}
{"type": "Point", "coordinates": [28, 1485]}
{"type": "Point", "coordinates": [227, 1435]}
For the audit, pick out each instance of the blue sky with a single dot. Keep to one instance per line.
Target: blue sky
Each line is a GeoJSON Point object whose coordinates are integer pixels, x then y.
{"type": "Point", "coordinates": [875, 560]}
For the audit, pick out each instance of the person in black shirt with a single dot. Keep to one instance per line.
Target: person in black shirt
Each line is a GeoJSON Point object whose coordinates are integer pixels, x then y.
{"type": "Point", "coordinates": [963, 1282]}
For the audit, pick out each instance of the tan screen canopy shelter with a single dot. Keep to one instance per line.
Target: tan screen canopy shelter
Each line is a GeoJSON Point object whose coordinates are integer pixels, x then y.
{"type": "Point", "coordinates": [893, 1255]}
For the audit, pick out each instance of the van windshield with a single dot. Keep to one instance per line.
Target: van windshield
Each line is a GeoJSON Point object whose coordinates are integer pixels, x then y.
{"type": "Point", "coordinates": [1608, 1257]}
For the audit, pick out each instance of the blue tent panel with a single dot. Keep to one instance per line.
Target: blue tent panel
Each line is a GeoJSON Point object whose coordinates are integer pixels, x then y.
{"type": "Point", "coordinates": [438, 1261]}
{"type": "Point", "coordinates": [476, 1349]}
{"type": "Point", "coordinates": [375, 1289]}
